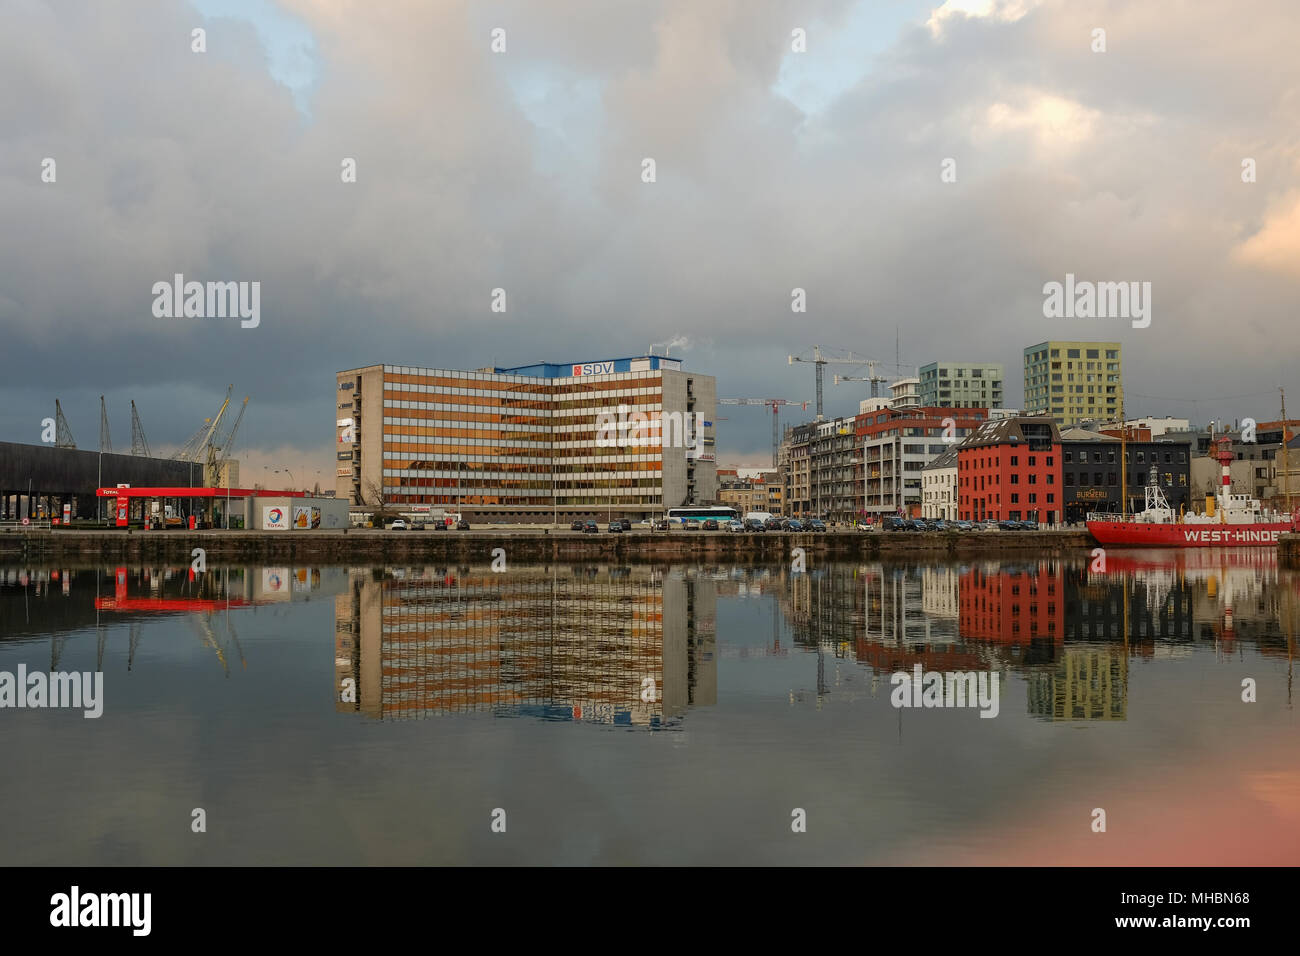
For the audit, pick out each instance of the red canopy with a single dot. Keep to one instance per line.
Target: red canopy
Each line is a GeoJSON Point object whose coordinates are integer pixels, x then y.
{"type": "Point", "coordinates": [182, 492]}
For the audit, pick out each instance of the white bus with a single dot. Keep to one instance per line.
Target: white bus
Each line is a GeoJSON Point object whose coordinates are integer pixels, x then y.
{"type": "Point", "coordinates": [699, 513]}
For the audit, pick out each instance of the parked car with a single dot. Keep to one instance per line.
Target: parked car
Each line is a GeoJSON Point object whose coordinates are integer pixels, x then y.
{"type": "Point", "coordinates": [772, 524]}
{"type": "Point", "coordinates": [753, 525]}
{"type": "Point", "coordinates": [616, 527]}
{"type": "Point", "coordinates": [1008, 525]}
{"type": "Point", "coordinates": [417, 525]}
{"type": "Point", "coordinates": [690, 526]}
{"type": "Point", "coordinates": [462, 525]}
{"type": "Point", "coordinates": [590, 527]}
{"type": "Point", "coordinates": [625, 524]}
{"type": "Point", "coordinates": [815, 524]}
{"type": "Point", "coordinates": [794, 525]}
{"type": "Point", "coordinates": [1029, 525]}
{"type": "Point", "coordinates": [398, 525]}
{"type": "Point", "coordinates": [661, 524]}
{"type": "Point", "coordinates": [577, 525]}
{"type": "Point", "coordinates": [710, 524]}
{"type": "Point", "coordinates": [735, 527]}
{"type": "Point", "coordinates": [940, 525]}
{"type": "Point", "coordinates": [962, 525]}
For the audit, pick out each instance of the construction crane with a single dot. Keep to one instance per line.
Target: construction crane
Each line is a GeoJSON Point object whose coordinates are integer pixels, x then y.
{"type": "Point", "coordinates": [871, 376]}
{"type": "Point", "coordinates": [776, 404]}
{"type": "Point", "coordinates": [139, 445]}
{"type": "Point", "coordinates": [62, 433]}
{"type": "Point", "coordinates": [820, 361]}
{"type": "Point", "coordinates": [105, 438]}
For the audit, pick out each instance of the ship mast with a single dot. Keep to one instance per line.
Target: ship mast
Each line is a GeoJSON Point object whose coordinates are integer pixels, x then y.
{"type": "Point", "coordinates": [1123, 463]}
{"type": "Point", "coordinates": [1286, 468]}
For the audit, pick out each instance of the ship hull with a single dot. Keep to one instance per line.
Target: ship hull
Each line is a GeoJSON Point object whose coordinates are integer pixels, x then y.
{"type": "Point", "coordinates": [1140, 534]}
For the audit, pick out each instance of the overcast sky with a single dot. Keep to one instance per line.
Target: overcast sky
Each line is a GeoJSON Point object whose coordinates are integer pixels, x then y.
{"type": "Point", "coordinates": [522, 170]}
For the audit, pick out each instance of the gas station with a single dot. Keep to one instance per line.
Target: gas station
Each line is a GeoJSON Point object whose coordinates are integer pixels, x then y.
{"type": "Point", "coordinates": [193, 508]}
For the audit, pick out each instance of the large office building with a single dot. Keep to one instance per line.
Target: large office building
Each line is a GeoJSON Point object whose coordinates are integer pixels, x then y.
{"type": "Point", "coordinates": [1073, 381]}
{"type": "Point", "coordinates": [624, 437]}
{"type": "Point", "coordinates": [961, 385]}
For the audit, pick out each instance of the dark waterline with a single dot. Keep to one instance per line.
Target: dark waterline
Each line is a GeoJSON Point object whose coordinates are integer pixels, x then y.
{"type": "Point", "coordinates": [656, 715]}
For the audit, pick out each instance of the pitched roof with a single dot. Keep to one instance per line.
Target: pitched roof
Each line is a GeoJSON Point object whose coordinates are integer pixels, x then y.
{"type": "Point", "coordinates": [1000, 431]}
{"type": "Point", "coordinates": [946, 460]}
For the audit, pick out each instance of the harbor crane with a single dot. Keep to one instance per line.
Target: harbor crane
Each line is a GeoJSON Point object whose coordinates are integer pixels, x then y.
{"type": "Point", "coordinates": [62, 433]}
{"type": "Point", "coordinates": [820, 361]}
{"type": "Point", "coordinates": [195, 450]}
{"type": "Point", "coordinates": [776, 404]}
{"type": "Point", "coordinates": [139, 444]}
{"type": "Point", "coordinates": [216, 465]}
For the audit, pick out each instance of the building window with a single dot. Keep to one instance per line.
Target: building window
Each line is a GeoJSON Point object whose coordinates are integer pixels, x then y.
{"type": "Point", "coordinates": [1069, 479]}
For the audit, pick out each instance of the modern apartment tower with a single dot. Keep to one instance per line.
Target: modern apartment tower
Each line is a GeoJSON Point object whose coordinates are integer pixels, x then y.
{"type": "Point", "coordinates": [961, 385]}
{"type": "Point", "coordinates": [532, 444]}
{"type": "Point", "coordinates": [1073, 381]}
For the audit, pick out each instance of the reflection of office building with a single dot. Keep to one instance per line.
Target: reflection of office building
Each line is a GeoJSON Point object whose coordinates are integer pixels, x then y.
{"type": "Point", "coordinates": [1086, 683]}
{"type": "Point", "coordinates": [620, 645]}
{"type": "Point", "coordinates": [1140, 606]}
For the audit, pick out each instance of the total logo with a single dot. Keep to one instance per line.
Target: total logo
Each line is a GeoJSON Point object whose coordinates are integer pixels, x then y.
{"type": "Point", "coordinates": [276, 515]}
{"type": "Point", "coordinates": [594, 368]}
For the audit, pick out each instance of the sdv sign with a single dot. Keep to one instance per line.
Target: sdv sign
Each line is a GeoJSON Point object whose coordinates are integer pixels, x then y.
{"type": "Point", "coordinates": [594, 368]}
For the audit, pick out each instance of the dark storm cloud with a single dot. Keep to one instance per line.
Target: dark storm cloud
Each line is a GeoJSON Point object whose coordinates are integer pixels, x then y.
{"type": "Point", "coordinates": [522, 171]}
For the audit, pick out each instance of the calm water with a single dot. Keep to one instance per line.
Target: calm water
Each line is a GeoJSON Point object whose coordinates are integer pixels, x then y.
{"type": "Point", "coordinates": [340, 715]}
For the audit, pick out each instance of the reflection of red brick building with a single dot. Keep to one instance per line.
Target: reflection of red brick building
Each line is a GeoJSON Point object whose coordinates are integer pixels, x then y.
{"type": "Point", "coordinates": [1011, 469]}
{"type": "Point", "coordinates": [1012, 606]}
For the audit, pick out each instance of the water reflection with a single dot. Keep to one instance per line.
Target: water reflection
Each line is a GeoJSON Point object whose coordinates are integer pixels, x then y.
{"type": "Point", "coordinates": [628, 646]}
{"type": "Point", "coordinates": [258, 691]}
{"type": "Point", "coordinates": [638, 646]}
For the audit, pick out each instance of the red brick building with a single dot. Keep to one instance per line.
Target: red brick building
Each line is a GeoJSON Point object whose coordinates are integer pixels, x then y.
{"type": "Point", "coordinates": [1010, 469]}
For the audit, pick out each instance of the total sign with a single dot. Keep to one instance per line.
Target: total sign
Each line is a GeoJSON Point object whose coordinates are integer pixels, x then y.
{"type": "Point", "coordinates": [594, 368]}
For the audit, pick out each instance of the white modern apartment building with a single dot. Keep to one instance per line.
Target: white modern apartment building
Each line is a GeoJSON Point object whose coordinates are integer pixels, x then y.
{"type": "Point", "coordinates": [939, 487]}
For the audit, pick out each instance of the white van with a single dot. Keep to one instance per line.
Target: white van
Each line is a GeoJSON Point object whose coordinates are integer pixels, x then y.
{"type": "Point", "coordinates": [759, 515]}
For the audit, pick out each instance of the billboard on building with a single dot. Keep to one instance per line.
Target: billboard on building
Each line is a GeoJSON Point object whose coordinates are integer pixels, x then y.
{"type": "Point", "coordinates": [274, 518]}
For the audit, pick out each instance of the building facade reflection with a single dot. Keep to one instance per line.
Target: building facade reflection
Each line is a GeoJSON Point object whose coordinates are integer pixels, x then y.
{"type": "Point", "coordinates": [630, 646]}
